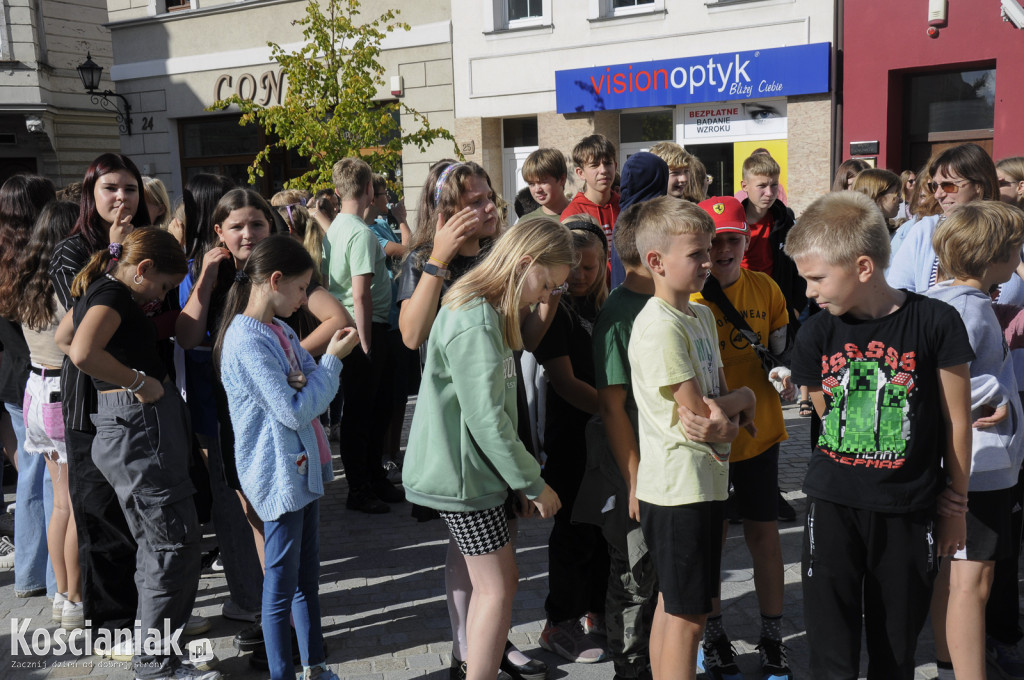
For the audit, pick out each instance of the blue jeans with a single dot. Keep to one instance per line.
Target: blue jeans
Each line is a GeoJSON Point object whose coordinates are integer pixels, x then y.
{"type": "Point", "coordinates": [32, 568]}
{"type": "Point", "coordinates": [291, 586]}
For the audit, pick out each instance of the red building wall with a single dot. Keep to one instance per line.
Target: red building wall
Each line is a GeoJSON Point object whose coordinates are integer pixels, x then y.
{"type": "Point", "coordinates": [884, 39]}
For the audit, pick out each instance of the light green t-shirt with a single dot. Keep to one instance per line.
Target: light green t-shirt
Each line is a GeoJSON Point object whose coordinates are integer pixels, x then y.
{"type": "Point", "coordinates": [668, 347]}
{"type": "Point", "coordinates": [353, 250]}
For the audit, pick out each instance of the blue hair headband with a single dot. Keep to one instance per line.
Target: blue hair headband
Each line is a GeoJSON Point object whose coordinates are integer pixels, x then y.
{"type": "Point", "coordinates": [441, 180]}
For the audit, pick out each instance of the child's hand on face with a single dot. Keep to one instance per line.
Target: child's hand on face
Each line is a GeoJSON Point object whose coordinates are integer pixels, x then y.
{"type": "Point", "coordinates": [122, 225]}
{"type": "Point", "coordinates": [296, 380]}
{"type": "Point", "coordinates": [343, 342]}
{"type": "Point", "coordinates": [449, 236]}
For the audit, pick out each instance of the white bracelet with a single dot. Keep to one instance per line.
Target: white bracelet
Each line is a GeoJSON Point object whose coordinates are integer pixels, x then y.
{"type": "Point", "coordinates": [138, 383]}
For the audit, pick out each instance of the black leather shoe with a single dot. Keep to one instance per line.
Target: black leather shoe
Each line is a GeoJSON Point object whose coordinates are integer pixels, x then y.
{"type": "Point", "coordinates": [249, 638]}
{"type": "Point", "coordinates": [387, 492]}
{"type": "Point", "coordinates": [786, 511]}
{"type": "Point", "coordinates": [365, 501]}
{"type": "Point", "coordinates": [457, 671]}
{"type": "Point", "coordinates": [534, 669]}
{"type": "Point", "coordinates": [258, 658]}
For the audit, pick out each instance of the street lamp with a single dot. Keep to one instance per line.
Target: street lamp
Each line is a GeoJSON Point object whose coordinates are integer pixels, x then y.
{"type": "Point", "coordinates": [90, 72]}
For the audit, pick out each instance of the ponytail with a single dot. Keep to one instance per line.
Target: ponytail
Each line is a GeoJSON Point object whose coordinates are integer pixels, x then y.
{"type": "Point", "coordinates": [146, 243]}
{"type": "Point", "coordinates": [278, 253]}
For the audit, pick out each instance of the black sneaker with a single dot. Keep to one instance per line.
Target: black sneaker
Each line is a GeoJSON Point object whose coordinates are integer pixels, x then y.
{"type": "Point", "coordinates": [786, 511]}
{"type": "Point", "coordinates": [718, 660]}
{"type": "Point", "coordinates": [249, 638]}
{"type": "Point", "coordinates": [365, 501]}
{"type": "Point", "coordinates": [774, 665]}
{"type": "Point", "coordinates": [387, 492]}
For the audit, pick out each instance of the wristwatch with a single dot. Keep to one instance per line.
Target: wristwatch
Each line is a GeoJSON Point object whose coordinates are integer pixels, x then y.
{"type": "Point", "coordinates": [433, 270]}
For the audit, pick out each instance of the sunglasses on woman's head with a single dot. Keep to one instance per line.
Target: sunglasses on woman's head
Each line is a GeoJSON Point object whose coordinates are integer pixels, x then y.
{"type": "Point", "coordinates": [947, 187]}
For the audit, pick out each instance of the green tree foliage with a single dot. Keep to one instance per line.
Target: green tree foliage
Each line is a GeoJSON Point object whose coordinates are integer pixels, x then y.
{"type": "Point", "coordinates": [329, 110]}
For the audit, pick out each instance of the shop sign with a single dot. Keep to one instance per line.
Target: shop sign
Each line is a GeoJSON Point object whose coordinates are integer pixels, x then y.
{"type": "Point", "coordinates": [775, 72]}
{"type": "Point", "coordinates": [269, 87]}
{"type": "Point", "coordinates": [760, 119]}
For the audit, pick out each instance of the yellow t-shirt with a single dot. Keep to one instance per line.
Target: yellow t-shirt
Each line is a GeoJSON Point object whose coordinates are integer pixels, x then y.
{"type": "Point", "coordinates": [668, 347]}
{"type": "Point", "coordinates": [762, 305]}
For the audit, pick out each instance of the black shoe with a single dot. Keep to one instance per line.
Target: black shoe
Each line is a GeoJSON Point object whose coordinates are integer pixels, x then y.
{"type": "Point", "coordinates": [387, 492]}
{"type": "Point", "coordinates": [786, 511]}
{"type": "Point", "coordinates": [258, 658]}
{"type": "Point", "coordinates": [534, 669]}
{"type": "Point", "coordinates": [457, 671]}
{"type": "Point", "coordinates": [249, 638]}
{"type": "Point", "coordinates": [366, 501]}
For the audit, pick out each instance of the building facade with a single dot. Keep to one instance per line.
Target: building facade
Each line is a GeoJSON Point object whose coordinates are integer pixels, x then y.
{"type": "Point", "coordinates": [908, 92]}
{"type": "Point", "coordinates": [720, 77]}
{"type": "Point", "coordinates": [174, 59]}
{"type": "Point", "coordinates": [47, 123]}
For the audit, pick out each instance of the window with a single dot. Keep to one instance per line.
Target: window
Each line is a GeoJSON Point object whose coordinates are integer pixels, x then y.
{"type": "Point", "coordinates": [610, 9]}
{"type": "Point", "coordinates": [654, 126]}
{"type": "Point", "coordinates": [513, 14]}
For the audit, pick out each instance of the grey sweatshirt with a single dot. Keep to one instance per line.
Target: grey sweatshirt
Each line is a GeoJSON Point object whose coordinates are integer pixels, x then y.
{"type": "Point", "coordinates": [997, 451]}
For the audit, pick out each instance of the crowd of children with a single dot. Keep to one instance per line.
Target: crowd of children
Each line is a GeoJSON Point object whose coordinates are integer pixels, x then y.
{"type": "Point", "coordinates": [616, 361]}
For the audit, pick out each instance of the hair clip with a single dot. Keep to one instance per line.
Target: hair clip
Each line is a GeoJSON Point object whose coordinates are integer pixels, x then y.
{"type": "Point", "coordinates": [560, 289]}
{"type": "Point", "coordinates": [115, 250]}
{"type": "Point", "coordinates": [241, 276]}
{"type": "Point", "coordinates": [441, 180]}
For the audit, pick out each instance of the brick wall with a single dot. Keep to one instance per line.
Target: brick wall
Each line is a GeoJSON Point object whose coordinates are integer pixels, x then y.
{"type": "Point", "coordinates": [809, 149]}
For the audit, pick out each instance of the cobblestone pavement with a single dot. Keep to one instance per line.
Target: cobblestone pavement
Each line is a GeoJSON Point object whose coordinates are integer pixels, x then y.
{"type": "Point", "coordinates": [382, 593]}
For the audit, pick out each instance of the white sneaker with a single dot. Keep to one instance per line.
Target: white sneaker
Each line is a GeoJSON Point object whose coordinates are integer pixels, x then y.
{"type": "Point", "coordinates": [121, 651]}
{"type": "Point", "coordinates": [58, 606]}
{"type": "Point", "coordinates": [72, 616]}
{"type": "Point", "coordinates": [197, 625]}
{"type": "Point", "coordinates": [6, 553]}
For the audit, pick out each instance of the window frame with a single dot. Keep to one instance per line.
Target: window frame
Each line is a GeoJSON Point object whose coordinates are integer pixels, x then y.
{"type": "Point", "coordinates": [605, 9]}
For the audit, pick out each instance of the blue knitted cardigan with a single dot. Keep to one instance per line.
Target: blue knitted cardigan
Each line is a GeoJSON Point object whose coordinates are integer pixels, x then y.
{"type": "Point", "coordinates": [276, 450]}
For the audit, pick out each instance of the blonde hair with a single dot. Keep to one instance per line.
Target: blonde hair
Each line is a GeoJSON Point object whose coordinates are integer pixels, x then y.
{"type": "Point", "coordinates": [696, 189]}
{"type": "Point", "coordinates": [289, 197]}
{"type": "Point", "coordinates": [1013, 167]}
{"type": "Point", "coordinates": [498, 279]}
{"type": "Point", "coordinates": [586, 238]}
{"type": "Point", "coordinates": [674, 155]}
{"type": "Point", "coordinates": [876, 182]}
{"type": "Point", "coordinates": [660, 220]}
{"type": "Point", "coordinates": [839, 227]}
{"type": "Point", "coordinates": [306, 231]}
{"type": "Point", "coordinates": [976, 234]}
{"type": "Point", "coordinates": [350, 176]}
{"type": "Point", "coordinates": [155, 191]}
{"type": "Point", "coordinates": [761, 165]}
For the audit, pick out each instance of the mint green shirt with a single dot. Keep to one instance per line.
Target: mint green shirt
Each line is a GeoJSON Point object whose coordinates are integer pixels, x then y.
{"type": "Point", "coordinates": [464, 452]}
{"type": "Point", "coordinates": [352, 250]}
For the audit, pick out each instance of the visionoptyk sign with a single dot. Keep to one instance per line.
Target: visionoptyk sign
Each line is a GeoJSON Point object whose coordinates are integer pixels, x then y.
{"type": "Point", "coordinates": [776, 72]}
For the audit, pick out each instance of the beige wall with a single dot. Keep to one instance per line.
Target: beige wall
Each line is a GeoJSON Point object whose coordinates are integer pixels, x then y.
{"type": "Point", "coordinates": [169, 68]}
{"type": "Point", "coordinates": [809, 149]}
{"type": "Point", "coordinates": [49, 40]}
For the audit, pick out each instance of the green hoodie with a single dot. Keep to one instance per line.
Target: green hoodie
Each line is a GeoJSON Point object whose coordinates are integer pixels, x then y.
{"type": "Point", "coordinates": [463, 451]}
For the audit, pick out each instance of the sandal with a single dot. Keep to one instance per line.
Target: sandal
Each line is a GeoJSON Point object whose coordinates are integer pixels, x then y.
{"type": "Point", "coordinates": [806, 408]}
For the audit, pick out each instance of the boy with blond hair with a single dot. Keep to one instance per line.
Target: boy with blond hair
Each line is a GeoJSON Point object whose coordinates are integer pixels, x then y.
{"type": "Point", "coordinates": [681, 484]}
{"type": "Point", "coordinates": [770, 221]}
{"type": "Point", "coordinates": [888, 374]}
{"type": "Point", "coordinates": [678, 160]}
{"type": "Point", "coordinates": [978, 247]}
{"type": "Point", "coordinates": [545, 173]}
{"type": "Point", "coordinates": [594, 157]}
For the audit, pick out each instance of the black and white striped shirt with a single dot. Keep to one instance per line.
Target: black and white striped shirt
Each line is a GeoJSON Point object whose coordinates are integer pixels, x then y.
{"type": "Point", "coordinates": [77, 390]}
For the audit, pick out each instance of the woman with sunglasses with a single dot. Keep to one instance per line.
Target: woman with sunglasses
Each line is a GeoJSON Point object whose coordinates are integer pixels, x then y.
{"type": "Point", "coordinates": [960, 174]}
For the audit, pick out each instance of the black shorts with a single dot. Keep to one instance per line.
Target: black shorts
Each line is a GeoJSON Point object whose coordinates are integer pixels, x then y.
{"type": "Point", "coordinates": [685, 544]}
{"type": "Point", "coordinates": [756, 485]}
{"type": "Point", "coordinates": [988, 525]}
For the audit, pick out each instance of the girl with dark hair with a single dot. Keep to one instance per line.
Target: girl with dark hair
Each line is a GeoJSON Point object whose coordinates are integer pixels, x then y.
{"type": "Point", "coordinates": [241, 220]}
{"type": "Point", "coordinates": [201, 196]}
{"type": "Point", "coordinates": [38, 312]}
{"type": "Point", "coordinates": [143, 438]}
{"type": "Point", "coordinates": [960, 174]}
{"type": "Point", "coordinates": [847, 172]}
{"type": "Point", "coordinates": [112, 204]}
{"type": "Point", "coordinates": [276, 391]}
{"type": "Point", "coordinates": [22, 197]}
